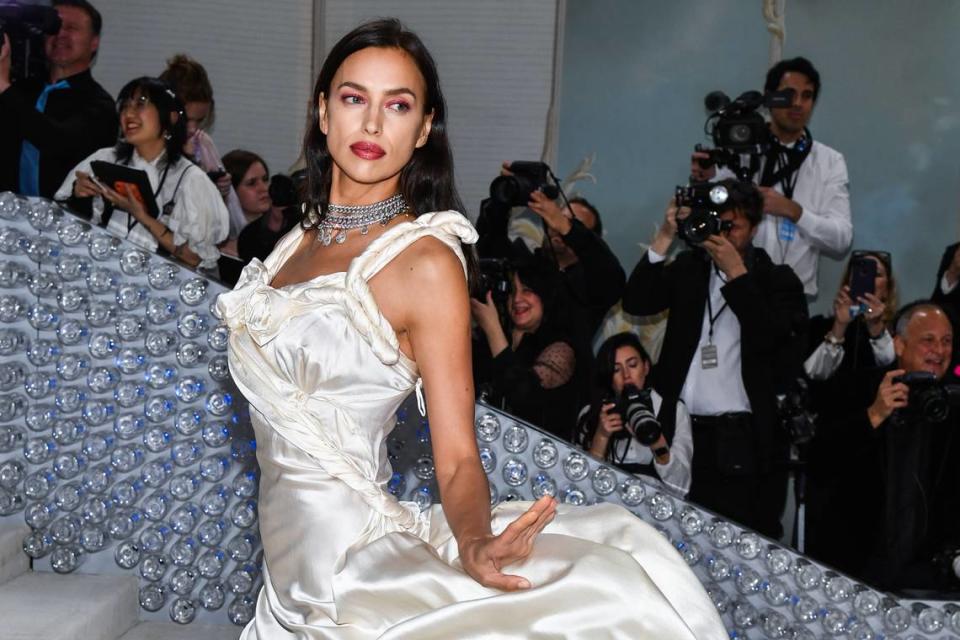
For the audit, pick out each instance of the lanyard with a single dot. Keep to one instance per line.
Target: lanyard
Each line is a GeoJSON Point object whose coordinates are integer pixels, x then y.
{"type": "Point", "coordinates": [710, 314]}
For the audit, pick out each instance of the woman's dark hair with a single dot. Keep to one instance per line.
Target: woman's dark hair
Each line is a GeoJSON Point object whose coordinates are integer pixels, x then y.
{"type": "Point", "coordinates": [190, 82]}
{"type": "Point", "coordinates": [602, 388]}
{"type": "Point", "coordinates": [427, 182]}
{"type": "Point", "coordinates": [795, 65]}
{"type": "Point", "coordinates": [543, 279]}
{"type": "Point", "coordinates": [173, 124]}
{"type": "Point", "coordinates": [238, 162]}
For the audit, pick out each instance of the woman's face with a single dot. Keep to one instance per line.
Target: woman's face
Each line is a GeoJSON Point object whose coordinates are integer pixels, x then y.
{"type": "Point", "coordinates": [140, 121]}
{"type": "Point", "coordinates": [374, 119]}
{"type": "Point", "coordinates": [197, 113]}
{"type": "Point", "coordinates": [254, 190]}
{"type": "Point", "coordinates": [628, 368]}
{"type": "Point", "coordinates": [525, 307]}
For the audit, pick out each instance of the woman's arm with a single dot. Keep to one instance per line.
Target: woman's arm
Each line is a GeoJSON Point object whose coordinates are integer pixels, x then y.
{"type": "Point", "coordinates": [675, 473]}
{"type": "Point", "coordinates": [435, 314]}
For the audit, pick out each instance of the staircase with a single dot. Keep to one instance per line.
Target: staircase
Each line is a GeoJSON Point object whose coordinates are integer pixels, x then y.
{"type": "Point", "coordinates": [37, 605]}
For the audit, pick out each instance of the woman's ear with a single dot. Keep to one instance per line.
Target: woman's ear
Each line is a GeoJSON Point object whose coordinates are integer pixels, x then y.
{"type": "Point", "coordinates": [425, 130]}
{"type": "Point", "coordinates": [322, 114]}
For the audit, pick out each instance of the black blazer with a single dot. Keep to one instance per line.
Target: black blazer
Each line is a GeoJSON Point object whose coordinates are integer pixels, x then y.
{"type": "Point", "coordinates": [769, 303]}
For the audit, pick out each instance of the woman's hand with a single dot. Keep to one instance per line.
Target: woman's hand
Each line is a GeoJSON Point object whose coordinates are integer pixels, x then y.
{"type": "Point", "coordinates": [610, 421]}
{"type": "Point", "coordinates": [85, 187]}
{"type": "Point", "coordinates": [483, 558]}
{"type": "Point", "coordinates": [224, 183]}
{"type": "Point", "coordinates": [485, 313]}
{"type": "Point", "coordinates": [128, 202]}
{"type": "Point", "coordinates": [873, 316]}
{"type": "Point", "coordinates": [841, 312]}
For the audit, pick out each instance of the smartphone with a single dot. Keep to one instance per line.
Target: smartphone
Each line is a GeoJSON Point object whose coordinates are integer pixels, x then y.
{"type": "Point", "coordinates": [863, 277]}
{"type": "Point", "coordinates": [216, 175]}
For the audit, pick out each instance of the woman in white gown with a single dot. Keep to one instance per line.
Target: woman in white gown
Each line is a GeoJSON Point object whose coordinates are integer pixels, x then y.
{"type": "Point", "coordinates": [331, 333]}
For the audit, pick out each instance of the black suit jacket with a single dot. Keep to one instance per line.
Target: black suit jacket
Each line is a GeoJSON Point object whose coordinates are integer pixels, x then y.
{"type": "Point", "coordinates": [772, 310]}
{"type": "Point", "coordinates": [76, 122]}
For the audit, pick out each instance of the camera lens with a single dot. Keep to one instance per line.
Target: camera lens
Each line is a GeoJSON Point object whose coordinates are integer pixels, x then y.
{"type": "Point", "coordinates": [740, 133]}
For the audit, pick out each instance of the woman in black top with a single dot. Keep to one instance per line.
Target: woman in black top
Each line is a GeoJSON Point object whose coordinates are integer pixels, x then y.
{"type": "Point", "coordinates": [533, 364]}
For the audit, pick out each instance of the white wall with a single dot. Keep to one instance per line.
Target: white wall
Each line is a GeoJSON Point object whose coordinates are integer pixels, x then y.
{"type": "Point", "coordinates": [257, 55]}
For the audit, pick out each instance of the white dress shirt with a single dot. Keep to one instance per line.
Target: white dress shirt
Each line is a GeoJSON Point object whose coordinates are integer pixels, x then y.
{"type": "Point", "coordinates": [825, 224]}
{"type": "Point", "coordinates": [199, 217]}
{"type": "Point", "coordinates": [717, 390]}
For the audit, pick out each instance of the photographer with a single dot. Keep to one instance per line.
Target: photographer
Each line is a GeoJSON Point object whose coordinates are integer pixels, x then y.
{"type": "Point", "coordinates": [51, 124]}
{"type": "Point", "coordinates": [893, 517]}
{"type": "Point", "coordinates": [803, 181]}
{"type": "Point", "coordinates": [534, 365]}
{"type": "Point", "coordinates": [730, 343]}
{"type": "Point", "coordinates": [590, 274]}
{"type": "Point", "coordinates": [260, 236]}
{"type": "Point", "coordinates": [637, 431]}
{"type": "Point", "coordinates": [857, 335]}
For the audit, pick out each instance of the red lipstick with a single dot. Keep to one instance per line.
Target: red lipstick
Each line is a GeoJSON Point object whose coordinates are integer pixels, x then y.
{"type": "Point", "coordinates": [367, 150]}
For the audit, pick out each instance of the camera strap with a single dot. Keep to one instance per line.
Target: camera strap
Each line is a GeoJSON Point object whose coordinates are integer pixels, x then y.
{"type": "Point", "coordinates": [783, 163]}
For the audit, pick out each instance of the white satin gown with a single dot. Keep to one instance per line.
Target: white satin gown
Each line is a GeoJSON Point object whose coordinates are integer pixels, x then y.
{"type": "Point", "coordinates": [321, 368]}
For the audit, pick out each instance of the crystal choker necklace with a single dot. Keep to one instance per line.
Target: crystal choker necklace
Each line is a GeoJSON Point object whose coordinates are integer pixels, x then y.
{"type": "Point", "coordinates": [340, 218]}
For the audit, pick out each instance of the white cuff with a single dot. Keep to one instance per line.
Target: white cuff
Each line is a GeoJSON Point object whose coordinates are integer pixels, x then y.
{"type": "Point", "coordinates": [945, 286]}
{"type": "Point", "coordinates": [882, 346]}
{"type": "Point", "coordinates": [654, 257]}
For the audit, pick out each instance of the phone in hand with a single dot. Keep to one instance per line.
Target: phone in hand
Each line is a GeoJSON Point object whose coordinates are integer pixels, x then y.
{"type": "Point", "coordinates": [216, 175]}
{"type": "Point", "coordinates": [863, 277]}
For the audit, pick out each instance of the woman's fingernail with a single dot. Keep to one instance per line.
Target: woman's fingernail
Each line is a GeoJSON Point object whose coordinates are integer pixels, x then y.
{"type": "Point", "coordinates": [524, 584]}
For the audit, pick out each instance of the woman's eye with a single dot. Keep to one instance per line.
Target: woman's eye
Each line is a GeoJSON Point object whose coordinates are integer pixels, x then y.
{"type": "Point", "coordinates": [399, 107]}
{"type": "Point", "coordinates": [352, 99]}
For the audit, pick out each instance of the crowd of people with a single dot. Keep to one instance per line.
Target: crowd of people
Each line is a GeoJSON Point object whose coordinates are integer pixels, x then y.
{"type": "Point", "coordinates": [708, 418]}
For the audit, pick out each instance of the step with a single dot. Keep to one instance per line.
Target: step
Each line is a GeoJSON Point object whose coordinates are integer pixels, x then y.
{"type": "Point", "coordinates": [44, 606]}
{"type": "Point", "coordinates": [173, 631]}
{"type": "Point", "coordinates": [13, 561]}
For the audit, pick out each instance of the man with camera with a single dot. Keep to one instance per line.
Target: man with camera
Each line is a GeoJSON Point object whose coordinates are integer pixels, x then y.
{"type": "Point", "coordinates": [803, 181]}
{"type": "Point", "coordinates": [895, 446]}
{"type": "Point", "coordinates": [734, 321]}
{"type": "Point", "coordinates": [591, 276]}
{"type": "Point", "coordinates": [51, 124]}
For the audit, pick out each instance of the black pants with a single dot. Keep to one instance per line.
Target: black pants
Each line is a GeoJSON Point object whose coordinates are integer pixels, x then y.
{"type": "Point", "coordinates": [729, 477]}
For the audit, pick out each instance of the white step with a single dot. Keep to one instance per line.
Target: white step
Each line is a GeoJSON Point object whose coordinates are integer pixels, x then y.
{"type": "Point", "coordinates": [13, 561]}
{"type": "Point", "coordinates": [173, 631]}
{"type": "Point", "coordinates": [47, 606]}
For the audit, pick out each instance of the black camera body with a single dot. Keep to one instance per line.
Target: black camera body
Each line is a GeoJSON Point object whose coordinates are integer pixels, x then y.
{"type": "Point", "coordinates": [739, 130]}
{"type": "Point", "coordinates": [515, 190]}
{"type": "Point", "coordinates": [929, 398]}
{"type": "Point", "coordinates": [636, 409]}
{"type": "Point", "coordinates": [706, 202]}
{"type": "Point", "coordinates": [27, 25]}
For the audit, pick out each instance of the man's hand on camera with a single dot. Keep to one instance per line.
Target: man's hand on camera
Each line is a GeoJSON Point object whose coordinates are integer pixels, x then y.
{"type": "Point", "coordinates": [505, 168]}
{"type": "Point", "coordinates": [552, 214]}
{"type": "Point", "coordinates": [725, 256]}
{"type": "Point", "coordinates": [5, 55]}
{"type": "Point", "coordinates": [777, 204]}
{"type": "Point", "coordinates": [890, 397]}
{"type": "Point", "coordinates": [668, 230]}
{"type": "Point", "coordinates": [698, 173]}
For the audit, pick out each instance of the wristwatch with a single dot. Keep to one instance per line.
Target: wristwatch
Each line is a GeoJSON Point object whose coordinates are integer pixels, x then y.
{"type": "Point", "coordinates": [832, 339]}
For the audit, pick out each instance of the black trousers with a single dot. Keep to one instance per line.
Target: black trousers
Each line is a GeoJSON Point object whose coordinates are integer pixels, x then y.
{"type": "Point", "coordinates": [729, 477]}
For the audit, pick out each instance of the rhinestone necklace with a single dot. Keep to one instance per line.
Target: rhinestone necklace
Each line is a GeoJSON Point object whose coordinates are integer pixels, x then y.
{"type": "Point", "coordinates": [341, 218]}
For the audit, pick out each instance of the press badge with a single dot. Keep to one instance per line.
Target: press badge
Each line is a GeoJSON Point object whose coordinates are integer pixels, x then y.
{"type": "Point", "coordinates": [708, 356]}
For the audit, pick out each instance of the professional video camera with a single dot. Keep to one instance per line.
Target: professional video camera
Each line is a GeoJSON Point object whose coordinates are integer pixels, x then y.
{"type": "Point", "coordinates": [514, 190]}
{"type": "Point", "coordinates": [27, 25]}
{"type": "Point", "coordinates": [706, 202]}
{"type": "Point", "coordinates": [738, 130]}
{"type": "Point", "coordinates": [929, 399]}
{"type": "Point", "coordinates": [636, 409]}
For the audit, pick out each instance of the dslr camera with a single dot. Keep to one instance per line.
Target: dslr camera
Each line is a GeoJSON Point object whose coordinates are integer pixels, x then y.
{"type": "Point", "coordinates": [27, 25]}
{"type": "Point", "coordinates": [739, 130]}
{"type": "Point", "coordinates": [706, 202]}
{"type": "Point", "coordinates": [929, 400]}
{"type": "Point", "coordinates": [636, 409]}
{"type": "Point", "coordinates": [515, 190]}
